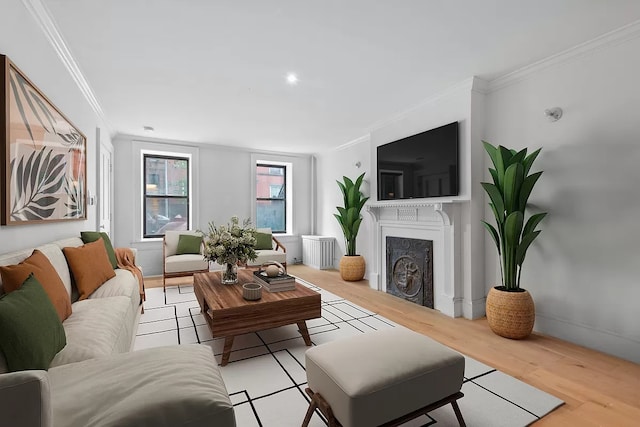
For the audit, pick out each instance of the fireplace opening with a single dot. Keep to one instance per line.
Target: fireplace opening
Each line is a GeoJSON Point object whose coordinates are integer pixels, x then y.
{"type": "Point", "coordinates": [410, 269]}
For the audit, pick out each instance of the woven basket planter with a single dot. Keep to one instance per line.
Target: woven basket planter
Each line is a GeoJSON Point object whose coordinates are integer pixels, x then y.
{"type": "Point", "coordinates": [352, 268]}
{"type": "Point", "coordinates": [510, 314]}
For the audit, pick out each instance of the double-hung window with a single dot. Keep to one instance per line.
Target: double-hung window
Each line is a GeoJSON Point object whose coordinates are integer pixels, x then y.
{"type": "Point", "coordinates": [271, 197]}
{"type": "Point", "coordinates": [166, 194]}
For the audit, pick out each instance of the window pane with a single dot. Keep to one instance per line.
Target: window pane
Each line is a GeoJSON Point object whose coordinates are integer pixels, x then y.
{"type": "Point", "coordinates": [271, 213]}
{"type": "Point", "coordinates": [166, 177]}
{"type": "Point", "coordinates": [165, 214]}
{"type": "Point", "coordinates": [270, 182]}
{"type": "Point", "coordinates": [274, 191]}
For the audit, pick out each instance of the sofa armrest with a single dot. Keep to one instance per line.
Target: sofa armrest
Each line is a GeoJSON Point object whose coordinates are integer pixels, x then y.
{"type": "Point", "coordinates": [178, 385]}
{"type": "Point", "coordinates": [130, 257]}
{"type": "Point", "coordinates": [135, 253]}
{"type": "Point", "coordinates": [279, 245]}
{"type": "Point", "coordinates": [25, 399]}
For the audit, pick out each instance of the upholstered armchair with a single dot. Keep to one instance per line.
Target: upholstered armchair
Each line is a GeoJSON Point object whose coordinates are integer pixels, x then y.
{"type": "Point", "coordinates": [268, 248]}
{"type": "Point", "coordinates": [182, 256]}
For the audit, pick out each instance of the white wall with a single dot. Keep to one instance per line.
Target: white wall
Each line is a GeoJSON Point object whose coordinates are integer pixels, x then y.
{"type": "Point", "coordinates": [452, 105]}
{"type": "Point", "coordinates": [583, 269]}
{"type": "Point", "coordinates": [25, 44]}
{"type": "Point", "coordinates": [331, 167]}
{"type": "Point", "coordinates": [222, 187]}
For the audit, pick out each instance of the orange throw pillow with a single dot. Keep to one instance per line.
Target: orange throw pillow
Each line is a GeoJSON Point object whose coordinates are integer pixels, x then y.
{"type": "Point", "coordinates": [14, 275]}
{"type": "Point", "coordinates": [90, 266]}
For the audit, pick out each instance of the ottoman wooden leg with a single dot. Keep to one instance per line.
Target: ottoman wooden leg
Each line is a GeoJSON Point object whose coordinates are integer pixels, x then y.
{"type": "Point", "coordinates": [318, 402]}
{"type": "Point", "coordinates": [312, 407]}
{"type": "Point", "coordinates": [425, 410]}
{"type": "Point", "coordinates": [456, 409]}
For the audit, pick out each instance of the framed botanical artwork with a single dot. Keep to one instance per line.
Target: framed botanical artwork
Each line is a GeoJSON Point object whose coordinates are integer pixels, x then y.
{"type": "Point", "coordinates": [43, 155]}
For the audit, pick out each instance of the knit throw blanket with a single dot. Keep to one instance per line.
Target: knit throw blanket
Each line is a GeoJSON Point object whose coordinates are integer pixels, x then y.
{"type": "Point", "coordinates": [127, 261]}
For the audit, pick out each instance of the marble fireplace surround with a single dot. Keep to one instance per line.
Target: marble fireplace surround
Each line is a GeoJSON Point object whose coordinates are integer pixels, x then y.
{"type": "Point", "coordinates": [415, 219]}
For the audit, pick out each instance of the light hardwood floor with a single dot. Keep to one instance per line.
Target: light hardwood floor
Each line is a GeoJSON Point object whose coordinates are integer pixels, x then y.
{"type": "Point", "coordinates": [599, 390]}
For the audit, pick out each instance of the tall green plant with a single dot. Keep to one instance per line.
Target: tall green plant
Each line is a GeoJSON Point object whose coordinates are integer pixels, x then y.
{"type": "Point", "coordinates": [349, 216]}
{"type": "Point", "coordinates": [509, 193]}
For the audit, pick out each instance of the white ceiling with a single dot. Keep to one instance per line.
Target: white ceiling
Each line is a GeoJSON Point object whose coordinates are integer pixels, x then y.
{"type": "Point", "coordinates": [214, 71]}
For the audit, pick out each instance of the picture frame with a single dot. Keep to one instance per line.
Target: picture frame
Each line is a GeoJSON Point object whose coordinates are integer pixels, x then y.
{"type": "Point", "coordinates": [42, 155]}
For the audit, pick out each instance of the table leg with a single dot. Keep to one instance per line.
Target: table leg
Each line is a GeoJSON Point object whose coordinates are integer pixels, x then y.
{"type": "Point", "coordinates": [226, 352]}
{"type": "Point", "coordinates": [302, 327]}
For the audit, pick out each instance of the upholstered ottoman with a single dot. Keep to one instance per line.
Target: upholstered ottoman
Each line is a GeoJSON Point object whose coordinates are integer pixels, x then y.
{"type": "Point", "coordinates": [382, 378]}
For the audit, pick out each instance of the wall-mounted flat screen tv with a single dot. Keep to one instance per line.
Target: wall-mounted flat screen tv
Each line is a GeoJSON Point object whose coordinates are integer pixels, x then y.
{"type": "Point", "coordinates": [419, 166]}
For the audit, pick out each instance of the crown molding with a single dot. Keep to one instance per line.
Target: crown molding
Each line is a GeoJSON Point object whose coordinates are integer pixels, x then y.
{"type": "Point", "coordinates": [474, 83]}
{"type": "Point", "coordinates": [480, 85]}
{"type": "Point", "coordinates": [363, 138]}
{"type": "Point", "coordinates": [612, 38]}
{"type": "Point", "coordinates": [125, 138]}
{"type": "Point", "coordinates": [466, 84]}
{"type": "Point", "coordinates": [48, 26]}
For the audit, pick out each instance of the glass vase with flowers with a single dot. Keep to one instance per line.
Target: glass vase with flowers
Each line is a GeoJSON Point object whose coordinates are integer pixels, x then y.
{"type": "Point", "coordinates": [230, 245]}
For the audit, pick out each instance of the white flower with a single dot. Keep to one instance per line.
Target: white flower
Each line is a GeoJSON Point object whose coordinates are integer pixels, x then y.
{"type": "Point", "coordinates": [230, 243]}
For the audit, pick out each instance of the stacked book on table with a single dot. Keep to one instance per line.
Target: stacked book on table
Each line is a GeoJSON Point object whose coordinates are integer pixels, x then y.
{"type": "Point", "coordinates": [282, 282]}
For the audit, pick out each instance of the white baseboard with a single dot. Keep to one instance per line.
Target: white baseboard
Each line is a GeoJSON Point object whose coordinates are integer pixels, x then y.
{"type": "Point", "coordinates": [606, 342]}
{"type": "Point", "coordinates": [474, 309]}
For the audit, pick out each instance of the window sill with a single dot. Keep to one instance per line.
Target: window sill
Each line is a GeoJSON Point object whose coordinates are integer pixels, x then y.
{"type": "Point", "coordinates": [147, 240]}
{"type": "Point", "coordinates": [285, 236]}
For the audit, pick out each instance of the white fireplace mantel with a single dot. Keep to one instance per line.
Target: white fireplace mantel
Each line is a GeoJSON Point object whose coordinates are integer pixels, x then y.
{"type": "Point", "coordinates": [408, 206]}
{"type": "Point", "coordinates": [422, 219]}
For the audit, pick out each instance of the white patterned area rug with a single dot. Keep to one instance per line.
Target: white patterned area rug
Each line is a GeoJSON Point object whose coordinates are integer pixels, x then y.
{"type": "Point", "coordinates": [266, 377]}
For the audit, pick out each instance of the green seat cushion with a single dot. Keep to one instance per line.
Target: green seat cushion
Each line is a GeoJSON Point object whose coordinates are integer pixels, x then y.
{"type": "Point", "coordinates": [189, 244]}
{"type": "Point", "coordinates": [31, 333]}
{"type": "Point", "coordinates": [263, 240]}
{"type": "Point", "coordinates": [92, 236]}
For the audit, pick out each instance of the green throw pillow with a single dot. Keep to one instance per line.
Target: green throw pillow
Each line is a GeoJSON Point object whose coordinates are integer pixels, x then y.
{"type": "Point", "coordinates": [31, 332]}
{"type": "Point", "coordinates": [189, 244]}
{"type": "Point", "coordinates": [92, 236]}
{"type": "Point", "coordinates": [263, 241]}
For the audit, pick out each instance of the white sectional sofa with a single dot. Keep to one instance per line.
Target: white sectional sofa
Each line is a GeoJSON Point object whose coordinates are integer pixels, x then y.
{"type": "Point", "coordinates": [96, 381]}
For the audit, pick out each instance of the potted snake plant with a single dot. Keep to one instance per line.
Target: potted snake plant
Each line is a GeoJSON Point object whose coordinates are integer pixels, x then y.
{"type": "Point", "coordinates": [510, 308]}
{"type": "Point", "coordinates": [352, 265]}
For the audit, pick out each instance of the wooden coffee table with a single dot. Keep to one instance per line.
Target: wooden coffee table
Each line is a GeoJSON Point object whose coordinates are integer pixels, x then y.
{"type": "Point", "coordinates": [228, 314]}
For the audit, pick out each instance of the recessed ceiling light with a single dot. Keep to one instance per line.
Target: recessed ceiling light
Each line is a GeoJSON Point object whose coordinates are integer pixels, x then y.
{"type": "Point", "coordinates": [292, 79]}
{"type": "Point", "coordinates": [148, 129]}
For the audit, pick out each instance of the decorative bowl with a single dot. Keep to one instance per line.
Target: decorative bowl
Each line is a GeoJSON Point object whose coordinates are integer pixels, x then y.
{"type": "Point", "coordinates": [252, 291]}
